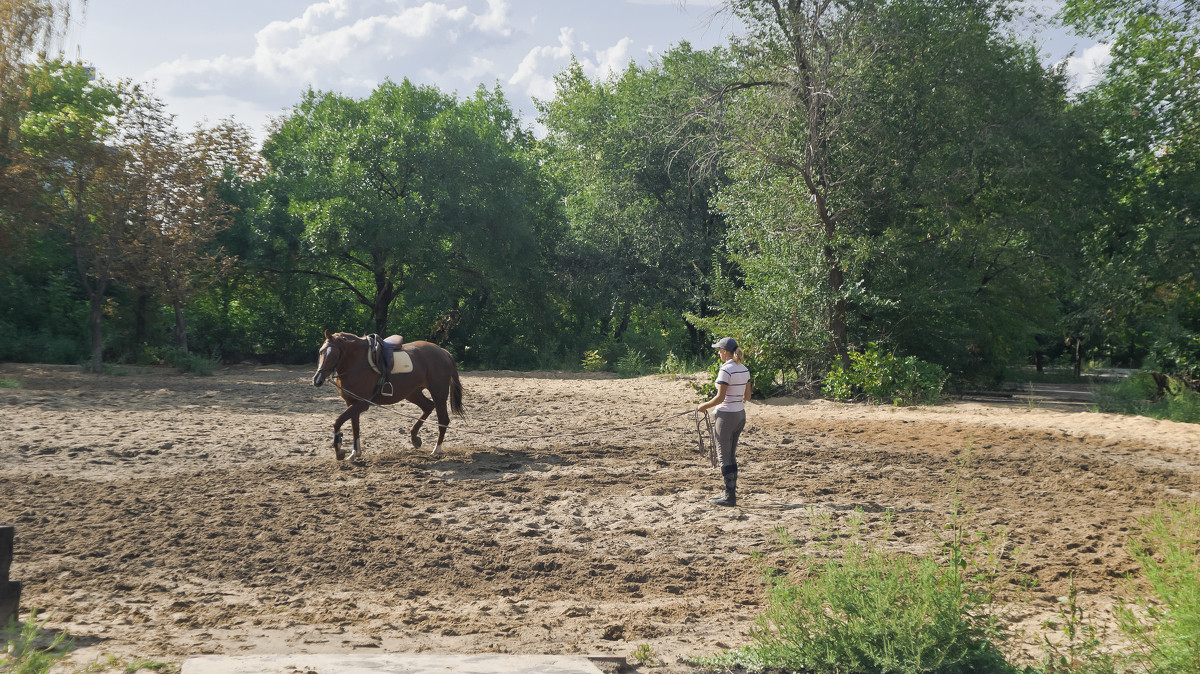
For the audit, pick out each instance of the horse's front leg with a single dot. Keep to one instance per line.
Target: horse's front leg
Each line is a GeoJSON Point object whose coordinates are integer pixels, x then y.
{"type": "Point", "coordinates": [355, 453]}
{"type": "Point", "coordinates": [351, 413]}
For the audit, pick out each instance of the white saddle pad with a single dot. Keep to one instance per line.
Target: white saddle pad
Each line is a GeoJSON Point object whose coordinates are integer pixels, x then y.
{"type": "Point", "coordinates": [401, 362]}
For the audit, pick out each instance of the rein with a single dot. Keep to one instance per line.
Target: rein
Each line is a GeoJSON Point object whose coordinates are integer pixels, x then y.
{"type": "Point", "coordinates": [338, 384]}
{"type": "Point", "coordinates": [712, 437]}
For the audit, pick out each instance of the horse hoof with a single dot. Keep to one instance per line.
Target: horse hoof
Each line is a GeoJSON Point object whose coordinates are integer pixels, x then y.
{"type": "Point", "coordinates": [339, 454]}
{"type": "Point", "coordinates": [437, 451]}
{"type": "Point", "coordinates": [416, 440]}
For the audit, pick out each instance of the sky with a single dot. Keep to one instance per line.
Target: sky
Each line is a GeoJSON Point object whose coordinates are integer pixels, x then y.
{"type": "Point", "coordinates": [252, 59]}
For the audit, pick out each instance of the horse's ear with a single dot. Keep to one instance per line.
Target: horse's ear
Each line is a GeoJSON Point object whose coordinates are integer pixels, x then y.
{"type": "Point", "coordinates": [327, 335]}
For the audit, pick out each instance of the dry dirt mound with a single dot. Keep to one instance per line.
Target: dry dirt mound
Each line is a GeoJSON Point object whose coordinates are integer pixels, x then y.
{"type": "Point", "coordinates": [163, 515]}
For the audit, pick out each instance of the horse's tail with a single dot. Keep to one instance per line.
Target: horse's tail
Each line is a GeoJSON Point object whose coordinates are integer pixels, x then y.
{"type": "Point", "coordinates": [456, 393]}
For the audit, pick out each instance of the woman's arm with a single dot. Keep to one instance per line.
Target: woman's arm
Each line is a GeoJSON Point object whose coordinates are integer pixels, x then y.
{"type": "Point", "coordinates": [716, 400]}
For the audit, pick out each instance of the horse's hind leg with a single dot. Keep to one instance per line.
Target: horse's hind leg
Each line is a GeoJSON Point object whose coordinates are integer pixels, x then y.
{"type": "Point", "coordinates": [443, 421]}
{"type": "Point", "coordinates": [418, 398]}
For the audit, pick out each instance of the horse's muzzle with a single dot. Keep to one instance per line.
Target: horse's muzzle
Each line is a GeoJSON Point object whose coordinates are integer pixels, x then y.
{"type": "Point", "coordinates": [318, 378]}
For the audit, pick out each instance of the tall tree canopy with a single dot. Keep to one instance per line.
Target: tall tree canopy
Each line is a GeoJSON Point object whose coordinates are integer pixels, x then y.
{"type": "Point", "coordinates": [640, 225]}
{"type": "Point", "coordinates": [1141, 293]}
{"type": "Point", "coordinates": [408, 194]}
{"type": "Point", "coordinates": [29, 29]}
{"type": "Point", "coordinates": [886, 187]}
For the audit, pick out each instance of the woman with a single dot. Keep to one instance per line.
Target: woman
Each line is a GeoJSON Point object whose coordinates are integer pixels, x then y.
{"type": "Point", "coordinates": [733, 387]}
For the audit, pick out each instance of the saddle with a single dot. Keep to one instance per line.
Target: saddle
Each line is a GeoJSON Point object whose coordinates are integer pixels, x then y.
{"type": "Point", "coordinates": [385, 355]}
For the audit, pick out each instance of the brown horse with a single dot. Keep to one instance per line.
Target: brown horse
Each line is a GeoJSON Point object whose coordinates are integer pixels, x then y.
{"type": "Point", "coordinates": [433, 369]}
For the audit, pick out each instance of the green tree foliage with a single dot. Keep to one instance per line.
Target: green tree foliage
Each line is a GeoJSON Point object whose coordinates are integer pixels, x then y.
{"type": "Point", "coordinates": [884, 188]}
{"type": "Point", "coordinates": [636, 192]}
{"type": "Point", "coordinates": [881, 377]}
{"type": "Point", "coordinates": [71, 119]}
{"type": "Point", "coordinates": [1165, 632]}
{"type": "Point", "coordinates": [902, 172]}
{"type": "Point", "coordinates": [408, 197]}
{"type": "Point", "coordinates": [122, 202]}
{"type": "Point", "coordinates": [1141, 292]}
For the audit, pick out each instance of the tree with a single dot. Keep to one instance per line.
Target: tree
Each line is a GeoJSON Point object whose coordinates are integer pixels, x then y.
{"type": "Point", "coordinates": [176, 205]}
{"type": "Point", "coordinates": [29, 29]}
{"type": "Point", "coordinates": [1142, 284]}
{"type": "Point", "coordinates": [406, 191]}
{"type": "Point", "coordinates": [72, 114]}
{"type": "Point", "coordinates": [886, 187]}
{"type": "Point", "coordinates": [640, 230]}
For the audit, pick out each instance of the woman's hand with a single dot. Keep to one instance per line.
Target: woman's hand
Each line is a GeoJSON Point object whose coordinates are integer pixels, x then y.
{"type": "Point", "coordinates": [716, 400]}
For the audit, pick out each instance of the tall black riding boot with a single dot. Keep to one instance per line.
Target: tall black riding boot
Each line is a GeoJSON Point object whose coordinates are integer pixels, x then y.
{"type": "Point", "coordinates": [729, 498]}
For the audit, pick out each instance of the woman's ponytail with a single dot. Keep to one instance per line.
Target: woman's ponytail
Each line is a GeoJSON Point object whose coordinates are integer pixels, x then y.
{"type": "Point", "coordinates": [738, 355]}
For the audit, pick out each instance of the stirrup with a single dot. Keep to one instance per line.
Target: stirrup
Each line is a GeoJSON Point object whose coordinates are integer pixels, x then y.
{"type": "Point", "coordinates": [386, 389]}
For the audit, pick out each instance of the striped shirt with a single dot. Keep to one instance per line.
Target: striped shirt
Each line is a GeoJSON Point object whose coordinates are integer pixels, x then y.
{"type": "Point", "coordinates": [734, 376]}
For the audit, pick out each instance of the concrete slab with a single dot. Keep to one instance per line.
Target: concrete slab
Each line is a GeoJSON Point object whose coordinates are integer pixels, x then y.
{"type": "Point", "coordinates": [389, 663]}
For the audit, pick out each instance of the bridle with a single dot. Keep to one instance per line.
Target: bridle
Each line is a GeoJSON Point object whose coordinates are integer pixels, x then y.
{"type": "Point", "coordinates": [329, 358]}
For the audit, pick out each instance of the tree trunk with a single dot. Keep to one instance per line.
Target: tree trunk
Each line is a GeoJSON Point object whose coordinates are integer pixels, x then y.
{"type": "Point", "coordinates": [180, 327]}
{"type": "Point", "coordinates": [625, 311]}
{"type": "Point", "coordinates": [385, 292]}
{"type": "Point", "coordinates": [96, 324]}
{"type": "Point", "coordinates": [1078, 359]}
{"type": "Point", "coordinates": [1039, 361]}
{"type": "Point", "coordinates": [1163, 383]}
{"type": "Point", "coordinates": [381, 320]}
{"type": "Point", "coordinates": [837, 311]}
{"type": "Point", "coordinates": [139, 318]}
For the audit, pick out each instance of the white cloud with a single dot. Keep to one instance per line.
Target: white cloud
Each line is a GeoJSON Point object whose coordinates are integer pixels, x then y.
{"type": "Point", "coordinates": [614, 59]}
{"type": "Point", "coordinates": [1087, 68]}
{"type": "Point", "coordinates": [535, 73]}
{"type": "Point", "coordinates": [677, 3]}
{"type": "Point", "coordinates": [478, 69]}
{"type": "Point", "coordinates": [349, 46]}
{"type": "Point", "coordinates": [495, 20]}
{"type": "Point", "coordinates": [345, 45]}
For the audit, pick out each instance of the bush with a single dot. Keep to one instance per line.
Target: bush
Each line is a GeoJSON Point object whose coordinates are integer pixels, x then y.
{"type": "Point", "coordinates": [593, 361]}
{"type": "Point", "coordinates": [26, 650]}
{"type": "Point", "coordinates": [882, 377]}
{"type": "Point", "coordinates": [1138, 395]}
{"type": "Point", "coordinates": [632, 364]}
{"type": "Point", "coordinates": [866, 609]}
{"type": "Point", "coordinates": [186, 361]}
{"type": "Point", "coordinates": [1166, 630]}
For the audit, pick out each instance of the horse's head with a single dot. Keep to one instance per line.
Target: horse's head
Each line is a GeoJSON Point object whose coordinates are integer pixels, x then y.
{"type": "Point", "coordinates": [327, 358]}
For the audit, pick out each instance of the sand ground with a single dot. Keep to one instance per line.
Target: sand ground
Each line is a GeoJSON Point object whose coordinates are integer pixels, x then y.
{"type": "Point", "coordinates": [160, 515]}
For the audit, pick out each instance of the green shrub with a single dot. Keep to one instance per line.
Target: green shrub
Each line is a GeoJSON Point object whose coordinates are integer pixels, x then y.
{"type": "Point", "coordinates": [675, 365]}
{"type": "Point", "coordinates": [881, 377]}
{"type": "Point", "coordinates": [864, 609]}
{"type": "Point", "coordinates": [1166, 630]}
{"type": "Point", "coordinates": [593, 361]}
{"type": "Point", "coordinates": [1078, 650]}
{"type": "Point", "coordinates": [26, 650]}
{"type": "Point", "coordinates": [186, 361]}
{"type": "Point", "coordinates": [632, 364]}
{"type": "Point", "coordinates": [707, 388]}
{"type": "Point", "coordinates": [1137, 394]}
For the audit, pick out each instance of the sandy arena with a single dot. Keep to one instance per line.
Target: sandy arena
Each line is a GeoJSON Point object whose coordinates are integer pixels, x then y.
{"type": "Point", "coordinates": [160, 515]}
